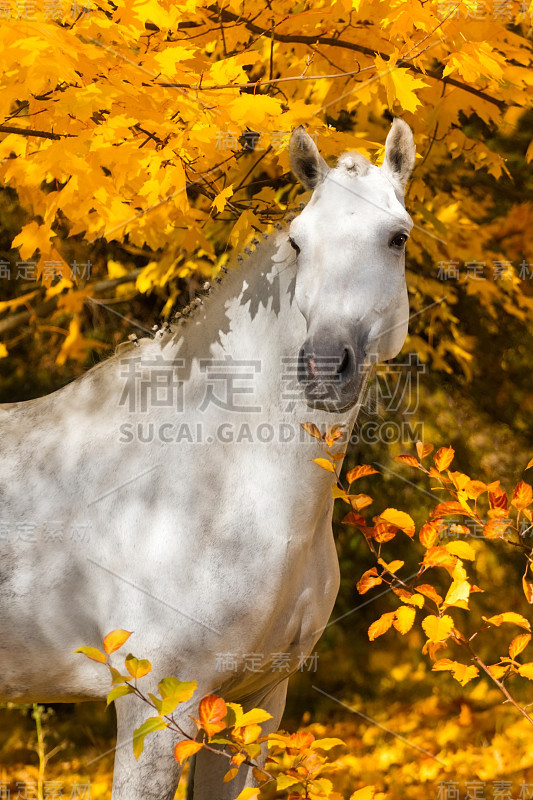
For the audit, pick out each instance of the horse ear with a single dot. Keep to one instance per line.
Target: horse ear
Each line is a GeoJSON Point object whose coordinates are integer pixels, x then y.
{"type": "Point", "coordinates": [399, 152]}
{"type": "Point", "coordinates": [306, 162]}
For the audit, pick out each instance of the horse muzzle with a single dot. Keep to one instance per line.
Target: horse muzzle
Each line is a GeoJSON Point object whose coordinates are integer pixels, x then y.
{"type": "Point", "coordinates": [331, 377]}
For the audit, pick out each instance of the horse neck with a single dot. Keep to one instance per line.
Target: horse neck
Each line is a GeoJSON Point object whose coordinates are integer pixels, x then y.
{"type": "Point", "coordinates": [250, 316]}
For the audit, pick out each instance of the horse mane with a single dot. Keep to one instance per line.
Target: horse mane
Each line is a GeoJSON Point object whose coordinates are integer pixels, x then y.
{"type": "Point", "coordinates": [188, 312]}
{"type": "Point", "coordinates": [354, 163]}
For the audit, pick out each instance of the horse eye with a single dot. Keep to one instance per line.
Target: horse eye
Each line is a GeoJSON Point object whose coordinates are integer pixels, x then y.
{"type": "Point", "coordinates": [399, 240]}
{"type": "Point", "coordinates": [294, 245]}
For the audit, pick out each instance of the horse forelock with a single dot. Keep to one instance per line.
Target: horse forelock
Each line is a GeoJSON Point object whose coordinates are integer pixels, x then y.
{"type": "Point", "coordinates": [354, 163]}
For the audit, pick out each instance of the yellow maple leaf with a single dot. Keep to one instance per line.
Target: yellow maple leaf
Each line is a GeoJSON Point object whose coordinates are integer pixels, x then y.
{"type": "Point", "coordinates": [219, 203]}
{"type": "Point", "coordinates": [400, 85]}
{"type": "Point", "coordinates": [249, 109]}
{"type": "Point", "coordinates": [33, 237]}
{"type": "Point", "coordinates": [75, 345]}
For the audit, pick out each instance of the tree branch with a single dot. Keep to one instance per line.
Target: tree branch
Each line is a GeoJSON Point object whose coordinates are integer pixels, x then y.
{"type": "Point", "coordinates": [29, 132]}
{"type": "Point", "coordinates": [46, 307]}
{"type": "Point", "coordinates": [287, 38]}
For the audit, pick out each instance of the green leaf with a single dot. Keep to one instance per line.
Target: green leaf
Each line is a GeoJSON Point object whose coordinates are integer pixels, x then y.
{"type": "Point", "coordinates": [119, 691]}
{"type": "Point", "coordinates": [222, 740]}
{"type": "Point", "coordinates": [284, 781]}
{"type": "Point", "coordinates": [253, 750]}
{"type": "Point", "coordinates": [179, 691]}
{"type": "Point", "coordinates": [149, 726]}
{"type": "Point", "coordinates": [116, 676]}
{"type": "Point", "coordinates": [158, 703]}
{"type": "Point", "coordinates": [164, 707]}
{"type": "Point", "coordinates": [137, 667]}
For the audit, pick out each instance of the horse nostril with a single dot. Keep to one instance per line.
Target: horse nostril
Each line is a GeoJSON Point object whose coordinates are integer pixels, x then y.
{"type": "Point", "coordinates": [343, 366]}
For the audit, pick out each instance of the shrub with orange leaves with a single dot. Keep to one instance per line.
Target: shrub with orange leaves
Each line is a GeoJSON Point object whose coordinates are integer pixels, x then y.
{"type": "Point", "coordinates": [465, 503]}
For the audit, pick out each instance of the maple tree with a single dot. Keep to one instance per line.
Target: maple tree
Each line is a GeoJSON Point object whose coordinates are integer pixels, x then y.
{"type": "Point", "coordinates": [149, 138]}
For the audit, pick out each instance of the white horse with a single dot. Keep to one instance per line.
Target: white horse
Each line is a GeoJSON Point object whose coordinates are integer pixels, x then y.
{"type": "Point", "coordinates": [169, 492]}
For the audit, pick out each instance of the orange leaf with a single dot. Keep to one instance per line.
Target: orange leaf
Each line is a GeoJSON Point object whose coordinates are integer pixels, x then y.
{"type": "Point", "coordinates": [368, 580]}
{"type": "Point", "coordinates": [437, 628]}
{"type": "Point", "coordinates": [360, 472]}
{"type": "Point", "coordinates": [115, 639]}
{"type": "Point", "coordinates": [459, 479]}
{"type": "Point", "coordinates": [325, 463]}
{"type": "Point", "coordinates": [400, 519]}
{"type": "Point", "coordinates": [409, 460]}
{"type": "Point", "coordinates": [248, 733]}
{"type": "Point", "coordinates": [381, 625]}
{"type": "Point", "coordinates": [461, 549]}
{"type": "Point", "coordinates": [429, 592]}
{"type": "Point", "coordinates": [518, 644]}
{"type": "Point", "coordinates": [360, 501]}
{"type": "Point", "coordinates": [332, 434]}
{"type": "Point", "coordinates": [230, 774]}
{"type": "Point", "coordinates": [474, 489]}
{"type": "Point", "coordinates": [423, 450]}
{"type": "Point", "coordinates": [93, 653]}
{"type": "Point", "coordinates": [212, 713]}
{"type": "Point", "coordinates": [311, 429]}
{"type": "Point", "coordinates": [522, 496]}
{"type": "Point", "coordinates": [384, 531]}
{"type": "Point", "coordinates": [530, 464]}
{"type": "Point", "coordinates": [403, 619]}
{"type": "Point", "coordinates": [449, 509]}
{"type": "Point", "coordinates": [495, 528]}
{"type": "Point", "coordinates": [439, 557]}
{"type": "Point", "coordinates": [461, 672]}
{"type": "Point", "coordinates": [411, 599]}
{"type": "Point", "coordinates": [527, 586]}
{"type": "Point", "coordinates": [354, 519]}
{"type": "Point", "coordinates": [509, 616]}
{"type": "Point", "coordinates": [526, 670]}
{"type": "Point", "coordinates": [393, 566]}
{"type": "Point", "coordinates": [299, 741]}
{"type": "Point", "coordinates": [443, 458]}
{"type": "Point", "coordinates": [498, 498]}
{"type": "Point", "coordinates": [429, 532]}
{"type": "Point", "coordinates": [185, 749]}
{"type": "Point", "coordinates": [497, 670]}
{"type": "Point", "coordinates": [137, 667]}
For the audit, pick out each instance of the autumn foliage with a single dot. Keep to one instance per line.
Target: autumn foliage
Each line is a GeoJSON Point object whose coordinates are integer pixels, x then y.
{"type": "Point", "coordinates": [468, 509]}
{"type": "Point", "coordinates": [296, 762]}
{"type": "Point", "coordinates": [143, 141]}
{"type": "Point", "coordinates": [161, 127]}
